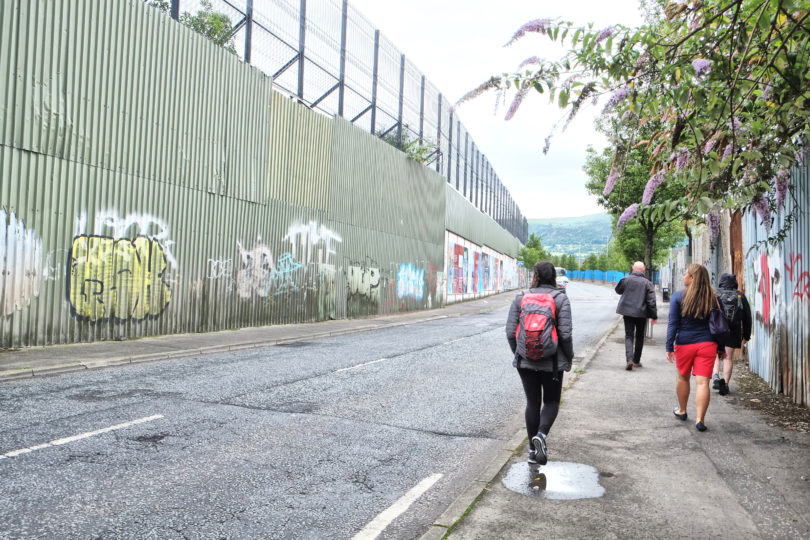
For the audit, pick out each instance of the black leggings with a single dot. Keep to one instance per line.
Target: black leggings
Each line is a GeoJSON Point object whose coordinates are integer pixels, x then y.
{"type": "Point", "coordinates": [541, 390]}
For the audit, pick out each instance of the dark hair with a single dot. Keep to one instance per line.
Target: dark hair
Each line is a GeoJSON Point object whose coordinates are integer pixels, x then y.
{"type": "Point", "coordinates": [544, 274]}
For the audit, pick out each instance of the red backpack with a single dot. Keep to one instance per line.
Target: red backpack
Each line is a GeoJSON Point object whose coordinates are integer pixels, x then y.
{"type": "Point", "coordinates": [537, 327]}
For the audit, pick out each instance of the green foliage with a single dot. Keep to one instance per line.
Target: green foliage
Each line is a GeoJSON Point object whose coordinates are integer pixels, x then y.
{"type": "Point", "coordinates": [215, 26]}
{"type": "Point", "coordinates": [532, 252]}
{"type": "Point", "coordinates": [423, 151]}
{"type": "Point", "coordinates": [721, 86]}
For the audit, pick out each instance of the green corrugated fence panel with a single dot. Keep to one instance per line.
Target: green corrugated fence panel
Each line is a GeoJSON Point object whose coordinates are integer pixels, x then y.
{"type": "Point", "coordinates": [121, 86]}
{"type": "Point", "coordinates": [467, 221]}
{"type": "Point", "coordinates": [300, 155]}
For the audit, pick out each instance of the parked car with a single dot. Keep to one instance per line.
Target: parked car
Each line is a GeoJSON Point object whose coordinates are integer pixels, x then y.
{"type": "Point", "coordinates": [562, 279]}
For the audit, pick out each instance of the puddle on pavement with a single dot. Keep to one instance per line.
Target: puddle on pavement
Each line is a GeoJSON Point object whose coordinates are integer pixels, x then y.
{"type": "Point", "coordinates": [554, 480]}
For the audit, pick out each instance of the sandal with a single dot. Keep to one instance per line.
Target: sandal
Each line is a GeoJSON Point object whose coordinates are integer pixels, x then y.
{"type": "Point", "coordinates": [678, 415]}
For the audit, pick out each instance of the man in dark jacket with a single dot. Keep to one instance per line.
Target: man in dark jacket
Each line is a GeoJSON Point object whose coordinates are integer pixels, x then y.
{"type": "Point", "coordinates": [637, 304]}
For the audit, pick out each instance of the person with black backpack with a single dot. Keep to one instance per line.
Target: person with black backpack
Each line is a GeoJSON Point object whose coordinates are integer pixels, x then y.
{"type": "Point", "coordinates": [538, 330]}
{"type": "Point", "coordinates": [738, 314]}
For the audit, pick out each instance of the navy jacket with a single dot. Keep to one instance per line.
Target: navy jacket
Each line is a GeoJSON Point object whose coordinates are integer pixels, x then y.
{"type": "Point", "coordinates": [685, 330]}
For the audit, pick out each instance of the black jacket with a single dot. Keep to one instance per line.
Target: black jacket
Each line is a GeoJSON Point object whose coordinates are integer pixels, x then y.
{"type": "Point", "coordinates": [741, 330]}
{"type": "Point", "coordinates": [565, 342]}
{"type": "Point", "coordinates": [638, 297]}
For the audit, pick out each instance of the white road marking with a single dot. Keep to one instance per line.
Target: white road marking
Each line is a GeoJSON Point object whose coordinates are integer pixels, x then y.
{"type": "Point", "coordinates": [384, 519]}
{"type": "Point", "coordinates": [455, 340]}
{"type": "Point", "coordinates": [361, 365]}
{"type": "Point", "coordinates": [73, 438]}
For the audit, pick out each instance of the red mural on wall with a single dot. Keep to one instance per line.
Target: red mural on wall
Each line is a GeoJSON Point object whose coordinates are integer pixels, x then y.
{"type": "Point", "coordinates": [801, 288]}
{"type": "Point", "coordinates": [765, 288]}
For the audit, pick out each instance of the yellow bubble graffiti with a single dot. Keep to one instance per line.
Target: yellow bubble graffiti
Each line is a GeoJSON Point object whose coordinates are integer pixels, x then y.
{"type": "Point", "coordinates": [118, 278]}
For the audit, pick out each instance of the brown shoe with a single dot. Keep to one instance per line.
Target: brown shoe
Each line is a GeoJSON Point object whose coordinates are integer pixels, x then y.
{"type": "Point", "coordinates": [629, 366]}
{"type": "Point", "coordinates": [636, 365]}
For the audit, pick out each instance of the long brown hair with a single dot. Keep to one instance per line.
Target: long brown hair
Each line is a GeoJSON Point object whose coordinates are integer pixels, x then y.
{"type": "Point", "coordinates": [699, 298]}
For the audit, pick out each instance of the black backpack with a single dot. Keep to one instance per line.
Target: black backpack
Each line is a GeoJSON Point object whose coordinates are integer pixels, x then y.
{"type": "Point", "coordinates": [731, 302]}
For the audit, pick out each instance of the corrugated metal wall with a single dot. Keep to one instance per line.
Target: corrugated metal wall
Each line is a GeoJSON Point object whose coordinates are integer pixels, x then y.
{"type": "Point", "coordinates": [778, 287]}
{"type": "Point", "coordinates": [465, 220]}
{"type": "Point", "coordinates": [776, 281]}
{"type": "Point", "coordinates": [153, 184]}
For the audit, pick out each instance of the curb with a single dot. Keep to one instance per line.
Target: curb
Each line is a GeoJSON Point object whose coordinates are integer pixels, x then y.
{"type": "Point", "coordinates": [117, 361]}
{"type": "Point", "coordinates": [476, 489]}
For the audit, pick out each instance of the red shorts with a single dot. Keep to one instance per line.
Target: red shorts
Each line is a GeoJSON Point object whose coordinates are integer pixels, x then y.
{"type": "Point", "coordinates": [698, 357]}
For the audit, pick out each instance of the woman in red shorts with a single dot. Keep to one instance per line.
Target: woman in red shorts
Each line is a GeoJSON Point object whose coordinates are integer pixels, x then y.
{"type": "Point", "coordinates": [689, 343]}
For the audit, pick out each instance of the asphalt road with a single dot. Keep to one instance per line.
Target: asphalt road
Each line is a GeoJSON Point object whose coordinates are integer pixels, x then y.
{"type": "Point", "coordinates": [316, 439]}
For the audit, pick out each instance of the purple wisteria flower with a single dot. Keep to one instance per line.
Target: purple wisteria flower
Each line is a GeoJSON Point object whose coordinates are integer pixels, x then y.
{"type": "Point", "coordinates": [611, 182]}
{"type": "Point", "coordinates": [766, 92]}
{"type": "Point", "coordinates": [627, 215]}
{"type": "Point", "coordinates": [701, 66]}
{"type": "Point", "coordinates": [709, 146]}
{"type": "Point", "coordinates": [516, 102]}
{"type": "Point", "coordinates": [734, 124]}
{"type": "Point", "coordinates": [683, 158]}
{"type": "Point", "coordinates": [617, 97]}
{"type": "Point", "coordinates": [713, 221]}
{"type": "Point", "coordinates": [490, 84]}
{"type": "Point", "coordinates": [652, 184]}
{"type": "Point", "coordinates": [782, 183]}
{"type": "Point", "coordinates": [729, 149]}
{"type": "Point", "coordinates": [532, 60]}
{"type": "Point", "coordinates": [538, 25]}
{"type": "Point", "coordinates": [605, 33]}
{"type": "Point", "coordinates": [760, 203]}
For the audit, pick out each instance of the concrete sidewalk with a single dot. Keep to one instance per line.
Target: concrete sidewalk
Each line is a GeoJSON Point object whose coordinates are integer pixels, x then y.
{"type": "Point", "coordinates": [53, 359]}
{"type": "Point", "coordinates": [622, 466]}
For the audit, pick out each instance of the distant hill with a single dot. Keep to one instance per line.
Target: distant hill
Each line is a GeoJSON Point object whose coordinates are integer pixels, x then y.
{"type": "Point", "coordinates": [578, 236]}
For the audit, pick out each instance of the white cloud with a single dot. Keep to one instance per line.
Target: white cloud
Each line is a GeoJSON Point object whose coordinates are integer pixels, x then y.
{"type": "Point", "coordinates": [458, 44]}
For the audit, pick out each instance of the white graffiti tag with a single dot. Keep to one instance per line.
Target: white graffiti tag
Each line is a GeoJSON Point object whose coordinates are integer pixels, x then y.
{"type": "Point", "coordinates": [20, 263]}
{"type": "Point", "coordinates": [307, 237]}
{"type": "Point", "coordinates": [364, 280]}
{"type": "Point", "coordinates": [256, 270]}
{"type": "Point", "coordinates": [109, 223]}
{"type": "Point", "coordinates": [410, 282]}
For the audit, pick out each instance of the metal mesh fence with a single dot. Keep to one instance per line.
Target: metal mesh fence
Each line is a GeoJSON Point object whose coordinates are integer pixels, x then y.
{"type": "Point", "coordinates": [330, 58]}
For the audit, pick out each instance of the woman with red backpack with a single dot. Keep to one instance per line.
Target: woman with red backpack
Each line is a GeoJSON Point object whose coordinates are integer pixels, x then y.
{"type": "Point", "coordinates": [539, 333]}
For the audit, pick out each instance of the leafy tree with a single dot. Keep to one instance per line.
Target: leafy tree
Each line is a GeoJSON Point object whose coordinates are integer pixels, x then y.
{"type": "Point", "coordinates": [648, 237]}
{"type": "Point", "coordinates": [591, 262]}
{"type": "Point", "coordinates": [532, 252]}
{"type": "Point", "coordinates": [723, 81]}
{"type": "Point", "coordinates": [214, 25]}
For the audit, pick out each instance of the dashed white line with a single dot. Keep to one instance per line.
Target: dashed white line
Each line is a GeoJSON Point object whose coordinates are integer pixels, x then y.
{"type": "Point", "coordinates": [361, 365]}
{"type": "Point", "coordinates": [73, 438]}
{"type": "Point", "coordinates": [384, 519]}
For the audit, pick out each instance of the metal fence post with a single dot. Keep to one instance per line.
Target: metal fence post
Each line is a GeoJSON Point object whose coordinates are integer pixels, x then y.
{"type": "Point", "coordinates": [450, 148]}
{"type": "Point", "coordinates": [302, 32]}
{"type": "Point", "coordinates": [439, 135]}
{"type": "Point", "coordinates": [458, 151]}
{"type": "Point", "coordinates": [342, 77]}
{"type": "Point", "coordinates": [175, 10]}
{"type": "Point", "coordinates": [401, 98]}
{"type": "Point", "coordinates": [374, 74]}
{"type": "Point", "coordinates": [466, 160]}
{"type": "Point", "coordinates": [422, 109]}
{"type": "Point", "coordinates": [248, 30]}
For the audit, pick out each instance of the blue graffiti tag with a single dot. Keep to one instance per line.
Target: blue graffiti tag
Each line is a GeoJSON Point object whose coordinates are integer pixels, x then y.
{"type": "Point", "coordinates": [282, 277]}
{"type": "Point", "coordinates": [410, 282]}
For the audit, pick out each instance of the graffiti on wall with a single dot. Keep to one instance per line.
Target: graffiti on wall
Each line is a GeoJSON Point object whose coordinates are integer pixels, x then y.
{"type": "Point", "coordinates": [363, 279]}
{"type": "Point", "coordinates": [312, 243]}
{"type": "Point", "coordinates": [255, 270]}
{"type": "Point", "coordinates": [120, 271]}
{"type": "Point", "coordinates": [20, 263]}
{"type": "Point", "coordinates": [283, 278]}
{"type": "Point", "coordinates": [458, 269]}
{"type": "Point", "coordinates": [798, 278]}
{"type": "Point", "coordinates": [410, 282]}
{"type": "Point", "coordinates": [117, 278]}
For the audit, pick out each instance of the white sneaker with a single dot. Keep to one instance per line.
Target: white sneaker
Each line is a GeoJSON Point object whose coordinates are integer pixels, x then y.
{"type": "Point", "coordinates": [539, 442]}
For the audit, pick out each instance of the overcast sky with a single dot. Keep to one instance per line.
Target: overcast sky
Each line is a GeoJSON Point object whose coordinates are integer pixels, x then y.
{"type": "Point", "coordinates": [458, 44]}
